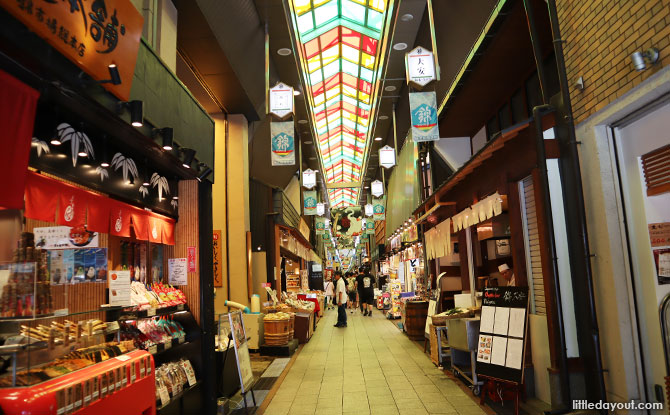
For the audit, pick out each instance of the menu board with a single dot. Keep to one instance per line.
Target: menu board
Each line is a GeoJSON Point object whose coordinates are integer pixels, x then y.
{"type": "Point", "coordinates": [177, 274]}
{"type": "Point", "coordinates": [502, 333]}
{"type": "Point", "coordinates": [241, 350]}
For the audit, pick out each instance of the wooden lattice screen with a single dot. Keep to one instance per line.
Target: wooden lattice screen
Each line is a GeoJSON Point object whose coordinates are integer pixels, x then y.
{"type": "Point", "coordinates": [656, 166]}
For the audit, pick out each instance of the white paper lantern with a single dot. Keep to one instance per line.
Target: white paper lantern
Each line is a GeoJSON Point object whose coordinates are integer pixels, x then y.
{"type": "Point", "coordinates": [309, 179]}
{"type": "Point", "coordinates": [377, 188]}
{"type": "Point", "coordinates": [320, 209]}
{"type": "Point", "coordinates": [369, 211]}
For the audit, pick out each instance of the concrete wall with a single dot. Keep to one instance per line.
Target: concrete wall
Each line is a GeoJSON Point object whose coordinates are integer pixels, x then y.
{"type": "Point", "coordinates": [292, 192]}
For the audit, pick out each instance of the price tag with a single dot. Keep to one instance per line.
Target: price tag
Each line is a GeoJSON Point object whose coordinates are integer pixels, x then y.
{"type": "Point", "coordinates": [149, 368]}
{"type": "Point", "coordinates": [133, 376]}
{"type": "Point", "coordinates": [142, 369]}
{"type": "Point", "coordinates": [167, 345]}
{"type": "Point", "coordinates": [151, 312]}
{"type": "Point", "coordinates": [165, 396]}
{"type": "Point", "coordinates": [123, 357]}
{"type": "Point", "coordinates": [112, 326]}
{"type": "Point", "coordinates": [190, 374]}
{"type": "Point", "coordinates": [60, 402]}
{"type": "Point", "coordinates": [153, 349]}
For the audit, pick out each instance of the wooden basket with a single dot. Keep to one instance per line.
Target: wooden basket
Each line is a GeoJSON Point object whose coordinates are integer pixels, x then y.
{"type": "Point", "coordinates": [276, 339]}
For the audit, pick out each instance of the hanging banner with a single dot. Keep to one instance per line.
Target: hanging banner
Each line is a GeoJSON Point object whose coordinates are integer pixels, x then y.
{"type": "Point", "coordinates": [283, 143]}
{"type": "Point", "coordinates": [309, 202]}
{"type": "Point", "coordinates": [377, 188]}
{"type": "Point", "coordinates": [420, 66]}
{"type": "Point", "coordinates": [320, 225]}
{"type": "Point", "coordinates": [423, 111]}
{"type": "Point", "coordinates": [309, 179]}
{"type": "Point", "coordinates": [370, 227]}
{"type": "Point", "coordinates": [281, 100]}
{"type": "Point", "coordinates": [369, 210]}
{"type": "Point", "coordinates": [387, 157]}
{"type": "Point", "coordinates": [379, 208]}
{"type": "Point", "coordinates": [320, 209]}
{"type": "Point", "coordinates": [91, 34]}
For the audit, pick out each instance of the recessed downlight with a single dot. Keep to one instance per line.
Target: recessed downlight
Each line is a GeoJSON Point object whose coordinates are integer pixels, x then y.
{"type": "Point", "coordinates": [296, 92]}
{"type": "Point", "coordinates": [407, 17]}
{"type": "Point", "coordinates": [312, 158]}
{"type": "Point", "coordinates": [383, 117]}
{"type": "Point", "coordinates": [284, 51]}
{"type": "Point", "coordinates": [400, 46]}
{"type": "Point", "coordinates": [389, 88]}
{"type": "Point", "coordinates": [308, 142]}
{"type": "Point", "coordinates": [302, 121]}
{"type": "Point", "coordinates": [378, 139]}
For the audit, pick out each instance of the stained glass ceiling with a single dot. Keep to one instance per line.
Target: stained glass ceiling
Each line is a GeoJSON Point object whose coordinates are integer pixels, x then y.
{"type": "Point", "coordinates": [340, 54]}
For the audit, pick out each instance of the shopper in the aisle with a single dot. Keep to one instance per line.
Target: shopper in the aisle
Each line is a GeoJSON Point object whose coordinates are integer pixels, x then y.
{"type": "Point", "coordinates": [351, 291]}
{"type": "Point", "coordinates": [359, 288]}
{"type": "Point", "coordinates": [368, 292]}
{"type": "Point", "coordinates": [329, 290]}
{"type": "Point", "coordinates": [341, 299]}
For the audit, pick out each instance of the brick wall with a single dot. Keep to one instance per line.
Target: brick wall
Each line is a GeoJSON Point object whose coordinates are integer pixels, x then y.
{"type": "Point", "coordinates": [600, 37]}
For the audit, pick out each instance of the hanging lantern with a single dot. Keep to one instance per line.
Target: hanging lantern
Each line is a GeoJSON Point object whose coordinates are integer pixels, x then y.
{"type": "Point", "coordinates": [387, 157]}
{"type": "Point", "coordinates": [320, 209]}
{"type": "Point", "coordinates": [377, 188]}
{"type": "Point", "coordinates": [369, 211]}
{"type": "Point", "coordinates": [309, 179]}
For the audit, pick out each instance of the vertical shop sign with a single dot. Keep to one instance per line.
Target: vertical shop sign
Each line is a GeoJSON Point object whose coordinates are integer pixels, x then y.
{"type": "Point", "coordinates": [216, 259]}
{"type": "Point", "coordinates": [320, 225]}
{"type": "Point", "coordinates": [282, 143]}
{"type": "Point", "coordinates": [377, 188]}
{"type": "Point", "coordinates": [309, 202]}
{"type": "Point", "coordinates": [420, 67]}
{"type": "Point", "coordinates": [93, 34]}
{"type": "Point", "coordinates": [281, 100]}
{"type": "Point", "coordinates": [423, 112]}
{"type": "Point", "coordinates": [309, 179]}
{"type": "Point", "coordinates": [387, 157]}
{"type": "Point", "coordinates": [191, 258]}
{"type": "Point", "coordinates": [379, 208]}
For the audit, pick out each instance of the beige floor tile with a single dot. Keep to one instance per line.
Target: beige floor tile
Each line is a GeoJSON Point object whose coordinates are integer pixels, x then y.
{"type": "Point", "coordinates": [328, 411]}
{"type": "Point", "coordinates": [278, 408]}
{"type": "Point", "coordinates": [439, 408]}
{"type": "Point", "coordinates": [283, 397]}
{"type": "Point", "coordinates": [408, 403]}
{"type": "Point", "coordinates": [376, 384]}
{"type": "Point", "coordinates": [383, 410]}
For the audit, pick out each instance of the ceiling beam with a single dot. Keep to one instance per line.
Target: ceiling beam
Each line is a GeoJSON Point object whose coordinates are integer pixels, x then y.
{"type": "Point", "coordinates": [343, 185]}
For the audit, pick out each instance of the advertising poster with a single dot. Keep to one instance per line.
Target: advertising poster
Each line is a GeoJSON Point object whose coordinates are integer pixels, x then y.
{"type": "Point", "coordinates": [423, 112]}
{"type": "Point", "coordinates": [282, 143]}
{"type": "Point", "coordinates": [64, 237]}
{"type": "Point", "coordinates": [68, 266]}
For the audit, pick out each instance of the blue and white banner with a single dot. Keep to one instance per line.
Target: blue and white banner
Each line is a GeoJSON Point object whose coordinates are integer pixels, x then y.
{"type": "Point", "coordinates": [282, 143]}
{"type": "Point", "coordinates": [423, 111]}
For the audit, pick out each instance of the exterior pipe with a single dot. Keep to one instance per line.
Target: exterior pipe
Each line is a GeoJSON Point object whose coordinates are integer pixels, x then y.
{"type": "Point", "coordinates": [551, 241]}
{"type": "Point", "coordinates": [537, 52]}
{"type": "Point", "coordinates": [580, 258]}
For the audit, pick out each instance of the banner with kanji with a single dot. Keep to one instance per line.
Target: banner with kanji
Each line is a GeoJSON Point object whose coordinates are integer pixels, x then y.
{"type": "Point", "coordinates": [379, 208]}
{"type": "Point", "coordinates": [309, 202]}
{"type": "Point", "coordinates": [423, 112]}
{"type": "Point", "coordinates": [282, 143]}
{"type": "Point", "coordinates": [370, 227]}
{"type": "Point", "coordinates": [320, 225]}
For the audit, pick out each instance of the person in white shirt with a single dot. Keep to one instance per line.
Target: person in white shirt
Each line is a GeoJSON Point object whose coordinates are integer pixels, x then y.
{"type": "Point", "coordinates": [329, 290]}
{"type": "Point", "coordinates": [341, 300]}
{"type": "Point", "coordinates": [508, 275]}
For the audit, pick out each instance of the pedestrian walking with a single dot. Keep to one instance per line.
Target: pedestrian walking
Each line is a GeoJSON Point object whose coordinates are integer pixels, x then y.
{"type": "Point", "coordinates": [341, 299]}
{"type": "Point", "coordinates": [351, 291]}
{"type": "Point", "coordinates": [330, 291]}
{"type": "Point", "coordinates": [368, 292]}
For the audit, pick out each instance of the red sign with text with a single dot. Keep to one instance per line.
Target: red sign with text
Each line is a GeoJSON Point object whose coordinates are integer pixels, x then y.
{"type": "Point", "coordinates": [191, 259]}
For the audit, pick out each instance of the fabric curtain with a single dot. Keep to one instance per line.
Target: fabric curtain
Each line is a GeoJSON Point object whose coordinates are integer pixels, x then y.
{"type": "Point", "coordinates": [73, 206]}
{"type": "Point", "coordinates": [140, 223]}
{"type": "Point", "coordinates": [18, 104]}
{"type": "Point", "coordinates": [119, 220]}
{"type": "Point", "coordinates": [41, 198]}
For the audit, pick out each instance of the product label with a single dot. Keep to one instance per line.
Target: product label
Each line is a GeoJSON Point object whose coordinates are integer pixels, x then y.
{"type": "Point", "coordinates": [132, 372]}
{"type": "Point", "coordinates": [60, 402]}
{"type": "Point", "coordinates": [123, 357]}
{"type": "Point", "coordinates": [167, 345]}
{"type": "Point", "coordinates": [142, 369]}
{"type": "Point", "coordinates": [153, 349]}
{"type": "Point", "coordinates": [165, 396]}
{"type": "Point", "coordinates": [190, 374]}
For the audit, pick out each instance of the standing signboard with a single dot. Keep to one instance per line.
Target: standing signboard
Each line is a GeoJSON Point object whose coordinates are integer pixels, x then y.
{"type": "Point", "coordinates": [241, 351]}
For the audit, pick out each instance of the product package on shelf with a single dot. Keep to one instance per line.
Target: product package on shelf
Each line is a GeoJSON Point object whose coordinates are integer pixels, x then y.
{"type": "Point", "coordinates": [27, 291]}
{"type": "Point", "coordinates": [172, 379]}
{"type": "Point", "coordinates": [56, 332]}
{"type": "Point", "coordinates": [148, 334]}
{"type": "Point", "coordinates": [157, 295]}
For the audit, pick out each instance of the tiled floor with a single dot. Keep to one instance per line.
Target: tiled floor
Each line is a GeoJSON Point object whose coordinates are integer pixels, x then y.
{"type": "Point", "coordinates": [369, 367]}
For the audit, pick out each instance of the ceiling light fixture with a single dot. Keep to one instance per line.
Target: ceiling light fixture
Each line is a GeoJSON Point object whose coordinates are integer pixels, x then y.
{"type": "Point", "coordinates": [383, 117]}
{"type": "Point", "coordinates": [407, 17]}
{"type": "Point", "coordinates": [296, 92]}
{"type": "Point", "coordinates": [284, 51]}
{"type": "Point", "coordinates": [389, 88]}
{"type": "Point", "coordinates": [378, 139]}
{"type": "Point", "coordinates": [302, 121]}
{"type": "Point", "coordinates": [136, 109]}
{"type": "Point", "coordinates": [400, 46]}
{"type": "Point", "coordinates": [167, 134]}
{"type": "Point", "coordinates": [204, 172]}
{"type": "Point", "coordinates": [189, 155]}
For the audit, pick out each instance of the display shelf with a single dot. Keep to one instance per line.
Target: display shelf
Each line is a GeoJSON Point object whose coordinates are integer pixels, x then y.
{"type": "Point", "coordinates": [57, 314]}
{"type": "Point", "coordinates": [175, 399]}
{"type": "Point", "coordinates": [150, 312]}
{"type": "Point", "coordinates": [162, 347]}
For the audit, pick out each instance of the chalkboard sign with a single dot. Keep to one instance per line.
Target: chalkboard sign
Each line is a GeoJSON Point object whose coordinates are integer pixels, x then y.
{"type": "Point", "coordinates": [502, 333]}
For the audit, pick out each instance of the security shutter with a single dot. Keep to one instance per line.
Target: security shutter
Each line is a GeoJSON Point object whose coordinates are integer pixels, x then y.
{"type": "Point", "coordinates": [532, 241]}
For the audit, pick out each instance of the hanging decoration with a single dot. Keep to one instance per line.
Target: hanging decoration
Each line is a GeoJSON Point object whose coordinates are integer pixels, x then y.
{"type": "Point", "coordinates": [377, 188]}
{"type": "Point", "coordinates": [369, 210]}
{"type": "Point", "coordinates": [127, 166]}
{"type": "Point", "coordinates": [320, 209]}
{"type": "Point", "coordinates": [387, 157]}
{"type": "Point", "coordinates": [102, 172]}
{"type": "Point", "coordinates": [347, 222]}
{"type": "Point", "coordinates": [309, 179]}
{"type": "Point", "coordinates": [420, 67]}
{"type": "Point", "coordinates": [283, 143]}
{"type": "Point", "coordinates": [41, 146]}
{"type": "Point", "coordinates": [281, 101]}
{"type": "Point", "coordinates": [379, 208]}
{"type": "Point", "coordinates": [161, 182]}
{"type": "Point", "coordinates": [320, 225]}
{"type": "Point", "coordinates": [77, 139]}
{"type": "Point", "coordinates": [370, 226]}
{"type": "Point", "coordinates": [309, 202]}
{"type": "Point", "coordinates": [423, 112]}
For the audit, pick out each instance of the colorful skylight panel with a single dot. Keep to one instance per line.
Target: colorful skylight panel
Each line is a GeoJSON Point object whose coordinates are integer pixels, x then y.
{"type": "Point", "coordinates": [339, 43]}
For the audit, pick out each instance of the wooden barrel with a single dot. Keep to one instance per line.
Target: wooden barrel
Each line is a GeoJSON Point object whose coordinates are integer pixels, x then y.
{"type": "Point", "coordinates": [276, 332]}
{"type": "Point", "coordinates": [416, 313]}
{"type": "Point", "coordinates": [291, 326]}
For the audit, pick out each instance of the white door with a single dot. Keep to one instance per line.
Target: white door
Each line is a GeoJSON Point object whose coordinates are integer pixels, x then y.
{"type": "Point", "coordinates": [642, 209]}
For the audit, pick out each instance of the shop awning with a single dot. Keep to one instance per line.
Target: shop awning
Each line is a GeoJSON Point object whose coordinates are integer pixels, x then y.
{"type": "Point", "coordinates": [51, 200]}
